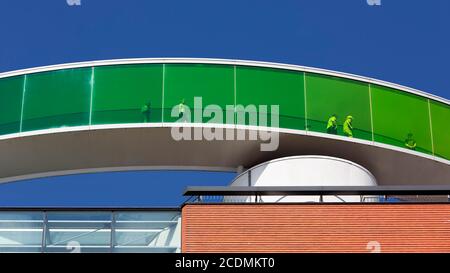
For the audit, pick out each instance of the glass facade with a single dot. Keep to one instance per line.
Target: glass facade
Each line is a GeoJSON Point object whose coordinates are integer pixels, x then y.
{"type": "Point", "coordinates": [398, 116]}
{"type": "Point", "coordinates": [10, 104]}
{"type": "Point", "coordinates": [136, 232]}
{"type": "Point", "coordinates": [90, 231]}
{"type": "Point", "coordinates": [127, 94]}
{"type": "Point", "coordinates": [21, 231]}
{"type": "Point", "coordinates": [57, 99]}
{"type": "Point", "coordinates": [440, 117]}
{"type": "Point", "coordinates": [265, 87]}
{"type": "Point", "coordinates": [139, 93]}
{"type": "Point", "coordinates": [212, 83]}
{"type": "Point", "coordinates": [327, 96]}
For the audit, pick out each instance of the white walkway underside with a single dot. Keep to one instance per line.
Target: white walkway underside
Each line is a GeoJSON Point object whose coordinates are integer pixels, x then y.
{"type": "Point", "coordinates": [138, 148]}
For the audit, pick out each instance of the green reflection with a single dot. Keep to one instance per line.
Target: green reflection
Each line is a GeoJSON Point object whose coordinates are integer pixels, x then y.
{"type": "Point", "coordinates": [57, 99]}
{"type": "Point", "coordinates": [183, 82]}
{"type": "Point", "coordinates": [127, 94]}
{"type": "Point", "coordinates": [440, 118]}
{"type": "Point", "coordinates": [397, 114]}
{"type": "Point", "coordinates": [134, 94]}
{"type": "Point", "coordinates": [347, 100]}
{"type": "Point", "coordinates": [265, 86]}
{"type": "Point", "coordinates": [10, 104]}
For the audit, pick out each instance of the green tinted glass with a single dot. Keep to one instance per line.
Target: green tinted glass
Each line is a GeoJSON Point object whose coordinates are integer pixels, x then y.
{"type": "Point", "coordinates": [127, 94]}
{"type": "Point", "coordinates": [10, 104]}
{"type": "Point", "coordinates": [213, 83]}
{"type": "Point", "coordinates": [57, 99]}
{"type": "Point", "coordinates": [401, 119]}
{"type": "Point", "coordinates": [327, 96]}
{"type": "Point", "coordinates": [440, 120]}
{"type": "Point", "coordinates": [265, 86]}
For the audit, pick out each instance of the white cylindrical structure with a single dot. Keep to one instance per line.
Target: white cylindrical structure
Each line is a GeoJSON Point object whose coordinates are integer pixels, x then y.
{"type": "Point", "coordinates": [308, 170]}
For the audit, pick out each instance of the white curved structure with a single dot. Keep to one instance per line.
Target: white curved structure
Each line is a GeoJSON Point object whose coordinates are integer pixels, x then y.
{"type": "Point", "coordinates": [306, 171]}
{"type": "Point", "coordinates": [102, 130]}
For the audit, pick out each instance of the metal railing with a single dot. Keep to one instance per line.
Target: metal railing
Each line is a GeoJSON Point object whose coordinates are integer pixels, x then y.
{"type": "Point", "coordinates": [325, 194]}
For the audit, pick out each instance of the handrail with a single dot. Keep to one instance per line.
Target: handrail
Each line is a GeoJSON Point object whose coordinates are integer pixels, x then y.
{"type": "Point", "coordinates": [318, 190]}
{"type": "Point", "coordinates": [90, 209]}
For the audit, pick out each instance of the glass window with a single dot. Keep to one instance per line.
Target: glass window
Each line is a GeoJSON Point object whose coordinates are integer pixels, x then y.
{"type": "Point", "coordinates": [21, 231]}
{"type": "Point", "coordinates": [90, 231]}
{"type": "Point", "coordinates": [328, 96]}
{"type": "Point", "coordinates": [214, 84]}
{"type": "Point", "coordinates": [57, 99]}
{"type": "Point", "coordinates": [265, 86]}
{"type": "Point", "coordinates": [401, 119]}
{"type": "Point", "coordinates": [147, 232]}
{"type": "Point", "coordinates": [440, 120]}
{"type": "Point", "coordinates": [127, 94]}
{"type": "Point", "coordinates": [78, 232]}
{"type": "Point", "coordinates": [10, 104]}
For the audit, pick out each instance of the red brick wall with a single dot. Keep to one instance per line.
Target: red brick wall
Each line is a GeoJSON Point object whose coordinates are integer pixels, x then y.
{"type": "Point", "coordinates": [315, 227]}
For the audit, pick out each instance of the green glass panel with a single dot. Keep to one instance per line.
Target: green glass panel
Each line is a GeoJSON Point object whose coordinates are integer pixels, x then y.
{"type": "Point", "coordinates": [265, 86]}
{"type": "Point", "coordinates": [127, 94]}
{"type": "Point", "coordinates": [213, 83]}
{"type": "Point", "coordinates": [57, 99]}
{"type": "Point", "coordinates": [440, 120]}
{"type": "Point", "coordinates": [397, 114]}
{"type": "Point", "coordinates": [327, 96]}
{"type": "Point", "coordinates": [10, 104]}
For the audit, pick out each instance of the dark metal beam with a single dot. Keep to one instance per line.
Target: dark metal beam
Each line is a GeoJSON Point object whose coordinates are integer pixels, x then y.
{"type": "Point", "coordinates": [89, 209]}
{"type": "Point", "coordinates": [326, 190]}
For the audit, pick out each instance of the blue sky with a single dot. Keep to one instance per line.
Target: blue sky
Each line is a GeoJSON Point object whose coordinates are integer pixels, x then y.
{"type": "Point", "coordinates": [402, 41]}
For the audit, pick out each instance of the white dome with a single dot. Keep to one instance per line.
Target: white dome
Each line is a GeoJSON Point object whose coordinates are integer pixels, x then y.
{"type": "Point", "coordinates": [308, 170]}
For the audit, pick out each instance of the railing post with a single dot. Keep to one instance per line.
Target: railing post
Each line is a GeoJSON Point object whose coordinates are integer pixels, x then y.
{"type": "Point", "coordinates": [113, 232]}
{"type": "Point", "coordinates": [44, 232]}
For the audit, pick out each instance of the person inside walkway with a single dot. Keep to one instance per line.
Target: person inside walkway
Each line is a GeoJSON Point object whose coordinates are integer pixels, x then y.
{"type": "Point", "coordinates": [410, 143]}
{"type": "Point", "coordinates": [348, 128]}
{"type": "Point", "coordinates": [145, 111]}
{"type": "Point", "coordinates": [181, 108]}
{"type": "Point", "coordinates": [332, 125]}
